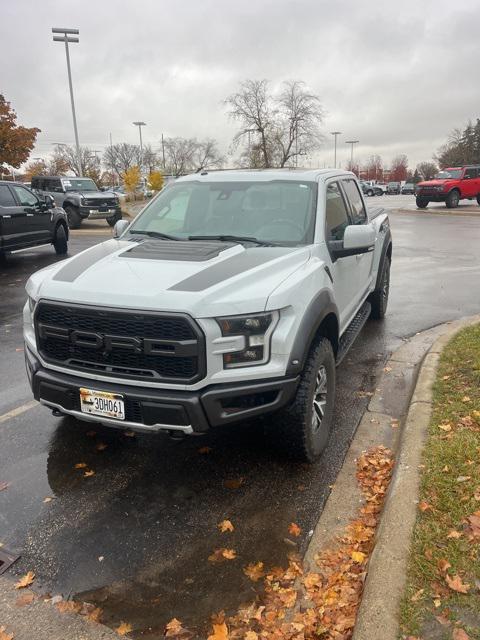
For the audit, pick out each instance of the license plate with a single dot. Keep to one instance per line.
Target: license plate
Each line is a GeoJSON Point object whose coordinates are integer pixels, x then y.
{"type": "Point", "coordinates": [102, 403]}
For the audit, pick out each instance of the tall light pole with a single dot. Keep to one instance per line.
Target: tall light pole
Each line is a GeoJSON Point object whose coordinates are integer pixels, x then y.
{"type": "Point", "coordinates": [351, 142]}
{"type": "Point", "coordinates": [140, 125]}
{"type": "Point", "coordinates": [335, 134]}
{"type": "Point", "coordinates": [66, 39]}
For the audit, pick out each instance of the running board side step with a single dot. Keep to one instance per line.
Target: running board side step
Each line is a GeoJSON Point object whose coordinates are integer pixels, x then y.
{"type": "Point", "coordinates": [352, 331]}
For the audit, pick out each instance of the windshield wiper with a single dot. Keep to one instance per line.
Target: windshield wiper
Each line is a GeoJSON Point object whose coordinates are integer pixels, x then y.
{"type": "Point", "coordinates": [154, 234]}
{"type": "Point", "coordinates": [227, 238]}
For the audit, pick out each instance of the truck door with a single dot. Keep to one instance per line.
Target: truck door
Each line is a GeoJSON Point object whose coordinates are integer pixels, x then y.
{"type": "Point", "coordinates": [343, 269]}
{"type": "Point", "coordinates": [12, 219]}
{"type": "Point", "coordinates": [36, 223]}
{"type": "Point", "coordinates": [358, 215]}
{"type": "Point", "coordinates": [470, 183]}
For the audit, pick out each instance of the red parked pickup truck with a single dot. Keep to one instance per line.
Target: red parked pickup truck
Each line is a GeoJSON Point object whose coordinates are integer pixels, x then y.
{"type": "Point", "coordinates": [450, 186]}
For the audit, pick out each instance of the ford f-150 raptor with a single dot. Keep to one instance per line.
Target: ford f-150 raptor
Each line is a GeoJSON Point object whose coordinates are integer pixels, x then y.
{"type": "Point", "coordinates": [232, 295]}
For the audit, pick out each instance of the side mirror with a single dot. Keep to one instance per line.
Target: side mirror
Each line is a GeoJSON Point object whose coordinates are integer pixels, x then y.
{"type": "Point", "coordinates": [50, 202]}
{"type": "Point", "coordinates": [356, 240]}
{"type": "Point", "coordinates": [119, 228]}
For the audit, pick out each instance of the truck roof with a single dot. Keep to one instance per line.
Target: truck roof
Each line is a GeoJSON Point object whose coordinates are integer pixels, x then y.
{"type": "Point", "coordinates": [263, 175]}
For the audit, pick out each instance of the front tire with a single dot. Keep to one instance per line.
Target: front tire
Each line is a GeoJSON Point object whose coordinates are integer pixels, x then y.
{"type": "Point", "coordinates": [370, 193]}
{"type": "Point", "coordinates": [60, 242]}
{"type": "Point", "coordinates": [422, 203]}
{"type": "Point", "coordinates": [478, 199]}
{"type": "Point", "coordinates": [379, 297]}
{"type": "Point", "coordinates": [73, 217]}
{"type": "Point", "coordinates": [303, 428]}
{"type": "Point", "coordinates": [452, 200]}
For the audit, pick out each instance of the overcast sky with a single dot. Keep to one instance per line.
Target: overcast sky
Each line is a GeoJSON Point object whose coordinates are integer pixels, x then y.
{"type": "Point", "coordinates": [398, 76]}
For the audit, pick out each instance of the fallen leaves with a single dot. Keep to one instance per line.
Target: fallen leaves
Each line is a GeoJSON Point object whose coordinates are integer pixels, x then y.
{"type": "Point", "coordinates": [69, 606]}
{"type": "Point", "coordinates": [473, 526]}
{"type": "Point", "coordinates": [459, 634]}
{"type": "Point", "coordinates": [4, 485]}
{"type": "Point", "coordinates": [319, 604]}
{"type": "Point", "coordinates": [24, 600]}
{"type": "Point", "coordinates": [205, 450]}
{"type": "Point", "coordinates": [220, 555]}
{"type": "Point", "coordinates": [220, 632]}
{"type": "Point", "coordinates": [124, 628]}
{"type": "Point", "coordinates": [48, 499]}
{"type": "Point", "coordinates": [175, 629]}
{"type": "Point", "coordinates": [445, 427]}
{"type": "Point", "coordinates": [101, 446]}
{"type": "Point", "coordinates": [443, 565]}
{"type": "Point", "coordinates": [456, 584]}
{"type": "Point", "coordinates": [89, 473]}
{"type": "Point", "coordinates": [424, 506]}
{"type": "Point", "coordinates": [454, 534]}
{"type": "Point", "coordinates": [4, 635]}
{"type": "Point", "coordinates": [25, 581]}
{"type": "Point", "coordinates": [234, 483]}
{"type": "Point", "coordinates": [81, 465]}
{"type": "Point", "coordinates": [225, 526]}
{"type": "Point", "coordinates": [255, 571]}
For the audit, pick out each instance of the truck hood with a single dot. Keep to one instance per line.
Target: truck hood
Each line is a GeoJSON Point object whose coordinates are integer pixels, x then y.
{"type": "Point", "coordinates": [432, 183]}
{"type": "Point", "coordinates": [204, 279]}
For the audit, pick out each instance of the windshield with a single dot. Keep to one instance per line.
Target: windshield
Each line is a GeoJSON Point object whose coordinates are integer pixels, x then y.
{"type": "Point", "coordinates": [279, 211]}
{"type": "Point", "coordinates": [79, 184]}
{"type": "Point", "coordinates": [447, 174]}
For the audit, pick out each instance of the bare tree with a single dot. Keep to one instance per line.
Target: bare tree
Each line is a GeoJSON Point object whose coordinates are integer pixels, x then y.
{"type": "Point", "coordinates": [399, 168]}
{"type": "Point", "coordinates": [374, 168]}
{"type": "Point", "coordinates": [207, 155]}
{"type": "Point", "coordinates": [427, 170]}
{"type": "Point", "coordinates": [185, 155]}
{"type": "Point", "coordinates": [251, 106]}
{"type": "Point", "coordinates": [298, 122]}
{"type": "Point", "coordinates": [65, 159]}
{"type": "Point", "coordinates": [120, 157]}
{"type": "Point", "coordinates": [275, 129]}
{"type": "Point", "coordinates": [150, 159]}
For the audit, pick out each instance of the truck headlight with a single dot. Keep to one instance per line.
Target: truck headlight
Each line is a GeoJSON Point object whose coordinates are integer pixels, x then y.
{"type": "Point", "coordinates": [256, 329]}
{"type": "Point", "coordinates": [31, 304]}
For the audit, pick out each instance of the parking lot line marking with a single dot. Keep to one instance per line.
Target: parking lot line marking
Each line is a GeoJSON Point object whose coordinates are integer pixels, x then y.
{"type": "Point", "coordinates": [18, 411]}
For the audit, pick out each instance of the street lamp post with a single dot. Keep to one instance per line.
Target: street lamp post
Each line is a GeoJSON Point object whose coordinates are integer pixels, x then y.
{"type": "Point", "coordinates": [140, 125]}
{"type": "Point", "coordinates": [351, 142]}
{"type": "Point", "coordinates": [66, 39]}
{"type": "Point", "coordinates": [335, 134]}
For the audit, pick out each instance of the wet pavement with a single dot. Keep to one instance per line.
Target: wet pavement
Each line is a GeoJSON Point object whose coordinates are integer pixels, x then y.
{"type": "Point", "coordinates": [407, 202]}
{"type": "Point", "coordinates": [135, 537]}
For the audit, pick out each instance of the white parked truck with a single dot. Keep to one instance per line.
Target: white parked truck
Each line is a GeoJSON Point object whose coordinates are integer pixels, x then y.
{"type": "Point", "coordinates": [232, 295]}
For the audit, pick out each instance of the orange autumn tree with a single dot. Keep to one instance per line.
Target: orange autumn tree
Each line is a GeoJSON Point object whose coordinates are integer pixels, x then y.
{"type": "Point", "coordinates": [16, 142]}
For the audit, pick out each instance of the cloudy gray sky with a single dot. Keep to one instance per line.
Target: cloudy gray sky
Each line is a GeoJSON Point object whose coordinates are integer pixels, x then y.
{"type": "Point", "coordinates": [398, 76]}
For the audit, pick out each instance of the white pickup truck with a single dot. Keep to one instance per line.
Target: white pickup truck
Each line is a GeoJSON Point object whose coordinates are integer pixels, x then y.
{"type": "Point", "coordinates": [232, 295]}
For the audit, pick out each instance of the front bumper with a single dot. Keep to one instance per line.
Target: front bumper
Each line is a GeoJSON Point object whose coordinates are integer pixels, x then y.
{"type": "Point", "coordinates": [438, 196]}
{"type": "Point", "coordinates": [163, 410]}
{"type": "Point", "coordinates": [98, 213]}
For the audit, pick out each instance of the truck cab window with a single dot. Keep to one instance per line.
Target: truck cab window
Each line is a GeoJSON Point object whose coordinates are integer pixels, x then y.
{"type": "Point", "coordinates": [335, 213]}
{"type": "Point", "coordinates": [357, 208]}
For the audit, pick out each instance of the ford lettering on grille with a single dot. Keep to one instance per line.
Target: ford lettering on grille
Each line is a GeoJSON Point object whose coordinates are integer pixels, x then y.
{"type": "Point", "coordinates": [121, 343]}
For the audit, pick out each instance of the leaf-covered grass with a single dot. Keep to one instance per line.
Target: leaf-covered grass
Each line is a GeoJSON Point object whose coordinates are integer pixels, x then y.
{"type": "Point", "coordinates": [450, 493]}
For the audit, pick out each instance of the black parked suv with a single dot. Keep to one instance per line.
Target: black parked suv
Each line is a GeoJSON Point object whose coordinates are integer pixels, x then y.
{"type": "Point", "coordinates": [27, 220]}
{"type": "Point", "coordinates": [81, 198]}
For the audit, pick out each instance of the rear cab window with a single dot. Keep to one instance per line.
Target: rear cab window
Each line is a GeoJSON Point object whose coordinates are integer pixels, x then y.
{"type": "Point", "coordinates": [357, 207]}
{"type": "Point", "coordinates": [6, 197]}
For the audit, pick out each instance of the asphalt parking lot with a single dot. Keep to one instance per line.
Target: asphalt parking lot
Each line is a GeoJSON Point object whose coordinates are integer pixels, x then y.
{"type": "Point", "coordinates": [135, 537]}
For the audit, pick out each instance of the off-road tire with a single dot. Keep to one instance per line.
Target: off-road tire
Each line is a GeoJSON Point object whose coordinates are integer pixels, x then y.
{"type": "Point", "coordinates": [452, 200]}
{"type": "Point", "coordinates": [293, 427]}
{"type": "Point", "coordinates": [114, 219]}
{"type": "Point", "coordinates": [379, 297]}
{"type": "Point", "coordinates": [60, 242]}
{"type": "Point", "coordinates": [478, 199]}
{"type": "Point", "coordinates": [422, 203]}
{"type": "Point", "coordinates": [73, 217]}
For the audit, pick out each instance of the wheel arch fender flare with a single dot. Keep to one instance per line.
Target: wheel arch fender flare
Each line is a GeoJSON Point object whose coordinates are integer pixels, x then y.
{"type": "Point", "coordinates": [60, 222]}
{"type": "Point", "coordinates": [386, 251]}
{"type": "Point", "coordinates": [321, 314]}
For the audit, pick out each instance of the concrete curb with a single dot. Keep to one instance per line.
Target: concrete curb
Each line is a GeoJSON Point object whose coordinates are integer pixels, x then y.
{"type": "Point", "coordinates": [384, 587]}
{"type": "Point", "coordinates": [447, 212]}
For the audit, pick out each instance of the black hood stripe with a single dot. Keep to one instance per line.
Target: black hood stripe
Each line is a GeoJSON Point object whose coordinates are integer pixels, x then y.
{"type": "Point", "coordinates": [86, 259]}
{"type": "Point", "coordinates": [230, 267]}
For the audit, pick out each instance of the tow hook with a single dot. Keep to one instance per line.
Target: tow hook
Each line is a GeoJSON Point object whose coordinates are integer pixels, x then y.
{"type": "Point", "coordinates": [57, 413]}
{"type": "Point", "coordinates": [176, 435]}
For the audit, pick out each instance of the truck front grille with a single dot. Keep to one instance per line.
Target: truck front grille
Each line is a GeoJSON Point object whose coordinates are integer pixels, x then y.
{"type": "Point", "coordinates": [139, 345]}
{"type": "Point", "coordinates": [99, 202]}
